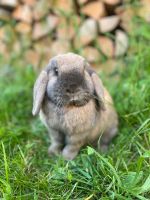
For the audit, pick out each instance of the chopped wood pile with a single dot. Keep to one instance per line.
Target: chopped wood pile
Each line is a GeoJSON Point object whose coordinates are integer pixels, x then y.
{"type": "Point", "coordinates": [39, 29]}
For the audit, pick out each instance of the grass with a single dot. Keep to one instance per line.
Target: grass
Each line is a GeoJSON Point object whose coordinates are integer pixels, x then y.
{"type": "Point", "coordinates": [26, 172]}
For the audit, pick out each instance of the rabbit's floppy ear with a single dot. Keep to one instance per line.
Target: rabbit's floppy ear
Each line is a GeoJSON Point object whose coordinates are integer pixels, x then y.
{"type": "Point", "coordinates": [98, 85]}
{"type": "Point", "coordinates": [99, 89]}
{"type": "Point", "coordinates": [39, 91]}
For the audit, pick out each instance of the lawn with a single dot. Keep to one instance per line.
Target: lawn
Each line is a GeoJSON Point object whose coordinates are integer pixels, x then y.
{"type": "Point", "coordinates": [123, 173]}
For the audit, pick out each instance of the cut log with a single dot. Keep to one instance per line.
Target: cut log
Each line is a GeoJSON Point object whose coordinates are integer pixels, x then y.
{"type": "Point", "coordinates": [45, 52]}
{"type": "Point", "coordinates": [121, 43]}
{"type": "Point", "coordinates": [59, 47]}
{"type": "Point", "coordinates": [126, 17]}
{"type": "Point", "coordinates": [44, 45]}
{"type": "Point", "coordinates": [112, 2]}
{"type": "Point", "coordinates": [9, 3]}
{"type": "Point", "coordinates": [95, 10]}
{"type": "Point", "coordinates": [23, 28]}
{"type": "Point", "coordinates": [65, 6]}
{"type": "Point", "coordinates": [91, 54]}
{"type": "Point", "coordinates": [87, 33]}
{"type": "Point", "coordinates": [32, 57]}
{"type": "Point", "coordinates": [23, 13]}
{"type": "Point", "coordinates": [106, 45]}
{"type": "Point", "coordinates": [50, 34]}
{"type": "Point", "coordinates": [30, 3]}
{"type": "Point", "coordinates": [45, 59]}
{"type": "Point", "coordinates": [41, 9]}
{"type": "Point", "coordinates": [40, 29]}
{"type": "Point", "coordinates": [64, 30]}
{"type": "Point", "coordinates": [119, 10]}
{"type": "Point", "coordinates": [108, 24]}
{"type": "Point", "coordinates": [82, 2]}
{"type": "Point", "coordinates": [65, 33]}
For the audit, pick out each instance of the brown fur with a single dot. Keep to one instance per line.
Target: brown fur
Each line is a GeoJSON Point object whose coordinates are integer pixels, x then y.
{"type": "Point", "coordinates": [71, 127]}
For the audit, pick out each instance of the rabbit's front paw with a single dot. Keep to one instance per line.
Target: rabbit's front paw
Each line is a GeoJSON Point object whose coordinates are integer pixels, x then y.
{"type": "Point", "coordinates": [54, 149]}
{"type": "Point", "coordinates": [104, 148]}
{"type": "Point", "coordinates": [69, 153]}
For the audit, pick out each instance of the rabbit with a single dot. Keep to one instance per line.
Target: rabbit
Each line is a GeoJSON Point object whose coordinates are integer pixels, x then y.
{"type": "Point", "coordinates": [74, 106]}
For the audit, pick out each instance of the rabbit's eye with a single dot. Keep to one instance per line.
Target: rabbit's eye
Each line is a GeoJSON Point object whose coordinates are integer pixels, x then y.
{"type": "Point", "coordinates": [56, 71]}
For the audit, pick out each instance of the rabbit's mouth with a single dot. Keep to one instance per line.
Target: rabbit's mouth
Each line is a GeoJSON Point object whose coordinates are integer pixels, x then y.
{"type": "Point", "coordinates": [77, 99]}
{"type": "Point", "coordinates": [80, 101]}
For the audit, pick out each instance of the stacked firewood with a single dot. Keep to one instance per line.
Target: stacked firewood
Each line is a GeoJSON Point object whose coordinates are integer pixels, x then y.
{"type": "Point", "coordinates": [39, 29]}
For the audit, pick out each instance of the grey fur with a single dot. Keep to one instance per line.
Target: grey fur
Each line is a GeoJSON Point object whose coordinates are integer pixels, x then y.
{"type": "Point", "coordinates": [74, 105]}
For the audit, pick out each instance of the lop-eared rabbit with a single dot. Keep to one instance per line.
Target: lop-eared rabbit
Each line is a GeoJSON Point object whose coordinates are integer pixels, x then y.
{"type": "Point", "coordinates": [74, 106]}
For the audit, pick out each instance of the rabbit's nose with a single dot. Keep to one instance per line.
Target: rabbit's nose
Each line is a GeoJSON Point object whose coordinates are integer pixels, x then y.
{"type": "Point", "coordinates": [71, 88]}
